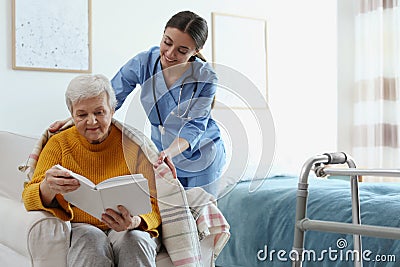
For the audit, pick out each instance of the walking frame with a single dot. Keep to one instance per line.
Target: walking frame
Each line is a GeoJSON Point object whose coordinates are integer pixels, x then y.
{"type": "Point", "coordinates": [320, 164]}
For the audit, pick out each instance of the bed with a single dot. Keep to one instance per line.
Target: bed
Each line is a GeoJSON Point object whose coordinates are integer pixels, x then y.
{"type": "Point", "coordinates": [262, 222]}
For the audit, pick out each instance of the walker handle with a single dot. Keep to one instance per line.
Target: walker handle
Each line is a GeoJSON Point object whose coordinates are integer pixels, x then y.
{"type": "Point", "coordinates": [336, 158]}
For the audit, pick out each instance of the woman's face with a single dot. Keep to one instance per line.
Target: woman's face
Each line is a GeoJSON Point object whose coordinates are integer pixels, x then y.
{"type": "Point", "coordinates": [176, 47]}
{"type": "Point", "coordinates": [92, 118]}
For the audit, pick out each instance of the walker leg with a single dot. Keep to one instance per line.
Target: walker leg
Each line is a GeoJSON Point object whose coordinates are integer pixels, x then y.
{"type": "Point", "coordinates": [301, 209]}
{"type": "Point", "coordinates": [356, 215]}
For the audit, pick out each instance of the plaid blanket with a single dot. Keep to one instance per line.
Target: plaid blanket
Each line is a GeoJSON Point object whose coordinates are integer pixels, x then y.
{"type": "Point", "coordinates": [187, 216]}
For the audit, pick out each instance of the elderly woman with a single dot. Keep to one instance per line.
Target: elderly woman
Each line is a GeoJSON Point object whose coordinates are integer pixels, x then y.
{"type": "Point", "coordinates": [93, 147]}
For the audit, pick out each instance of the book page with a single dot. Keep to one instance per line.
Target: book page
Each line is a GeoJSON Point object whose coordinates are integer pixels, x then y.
{"type": "Point", "coordinates": [86, 199]}
{"type": "Point", "coordinates": [133, 195]}
{"type": "Point", "coordinates": [120, 180]}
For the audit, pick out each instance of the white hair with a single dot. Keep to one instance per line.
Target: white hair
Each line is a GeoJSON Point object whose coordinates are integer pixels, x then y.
{"type": "Point", "coordinates": [88, 86]}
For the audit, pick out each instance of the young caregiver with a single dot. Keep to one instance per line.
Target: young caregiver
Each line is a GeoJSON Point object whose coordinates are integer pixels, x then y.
{"type": "Point", "coordinates": [178, 89]}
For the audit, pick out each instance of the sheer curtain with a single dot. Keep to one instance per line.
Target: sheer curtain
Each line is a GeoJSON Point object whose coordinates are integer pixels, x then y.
{"type": "Point", "coordinates": [376, 140]}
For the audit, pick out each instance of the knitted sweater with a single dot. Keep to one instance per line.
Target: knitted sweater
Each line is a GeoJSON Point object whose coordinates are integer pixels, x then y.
{"type": "Point", "coordinates": [113, 157]}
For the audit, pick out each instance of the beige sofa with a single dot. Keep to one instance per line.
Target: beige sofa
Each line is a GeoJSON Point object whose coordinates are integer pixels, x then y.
{"type": "Point", "coordinates": [37, 238]}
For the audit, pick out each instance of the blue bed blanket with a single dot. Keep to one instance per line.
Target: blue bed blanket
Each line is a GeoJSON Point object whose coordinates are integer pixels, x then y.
{"type": "Point", "coordinates": [262, 223]}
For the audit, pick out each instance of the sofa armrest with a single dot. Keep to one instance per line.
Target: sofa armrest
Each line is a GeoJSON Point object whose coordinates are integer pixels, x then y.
{"type": "Point", "coordinates": [37, 235]}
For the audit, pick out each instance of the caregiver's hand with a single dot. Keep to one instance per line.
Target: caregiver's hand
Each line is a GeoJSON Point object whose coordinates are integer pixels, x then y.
{"type": "Point", "coordinates": [55, 126]}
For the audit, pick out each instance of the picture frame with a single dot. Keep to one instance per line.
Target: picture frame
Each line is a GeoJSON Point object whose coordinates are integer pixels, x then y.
{"type": "Point", "coordinates": [239, 56]}
{"type": "Point", "coordinates": [52, 35]}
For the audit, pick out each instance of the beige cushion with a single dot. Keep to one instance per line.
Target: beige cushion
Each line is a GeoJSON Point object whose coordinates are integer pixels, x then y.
{"type": "Point", "coordinates": [15, 149]}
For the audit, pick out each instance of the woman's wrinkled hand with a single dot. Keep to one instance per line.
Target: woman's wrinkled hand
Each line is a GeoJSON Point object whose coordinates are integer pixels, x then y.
{"type": "Point", "coordinates": [59, 181]}
{"type": "Point", "coordinates": [56, 182]}
{"type": "Point", "coordinates": [120, 221]}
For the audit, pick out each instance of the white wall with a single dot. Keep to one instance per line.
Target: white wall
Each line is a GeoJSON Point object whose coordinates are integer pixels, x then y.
{"type": "Point", "coordinates": [302, 76]}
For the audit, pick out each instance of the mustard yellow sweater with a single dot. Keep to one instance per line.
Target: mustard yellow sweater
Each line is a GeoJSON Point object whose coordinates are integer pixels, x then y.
{"type": "Point", "coordinates": [113, 157]}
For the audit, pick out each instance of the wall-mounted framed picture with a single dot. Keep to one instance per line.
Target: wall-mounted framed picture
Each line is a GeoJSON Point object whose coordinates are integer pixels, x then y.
{"type": "Point", "coordinates": [52, 35]}
{"type": "Point", "coordinates": [239, 55]}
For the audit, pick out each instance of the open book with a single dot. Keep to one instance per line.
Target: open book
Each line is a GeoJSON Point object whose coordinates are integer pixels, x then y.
{"type": "Point", "coordinates": [131, 191]}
